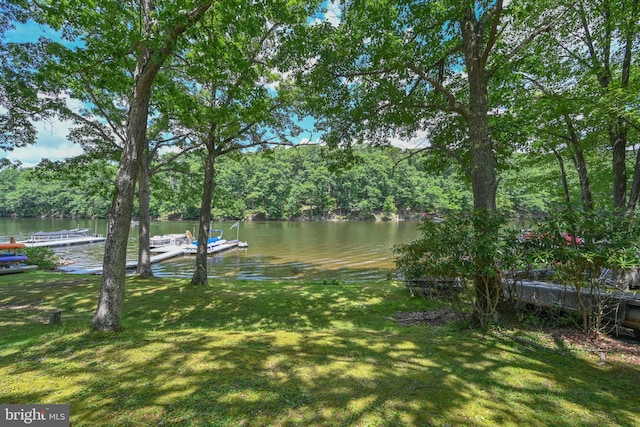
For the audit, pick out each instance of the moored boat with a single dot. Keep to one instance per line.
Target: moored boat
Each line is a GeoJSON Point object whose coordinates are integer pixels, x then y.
{"type": "Point", "coordinates": [175, 239]}
{"type": "Point", "coordinates": [43, 236]}
{"type": "Point", "coordinates": [75, 236]}
{"type": "Point", "coordinates": [214, 244]}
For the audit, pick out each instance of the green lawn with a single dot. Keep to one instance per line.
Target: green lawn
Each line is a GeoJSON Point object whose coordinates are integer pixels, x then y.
{"type": "Point", "coordinates": [252, 353]}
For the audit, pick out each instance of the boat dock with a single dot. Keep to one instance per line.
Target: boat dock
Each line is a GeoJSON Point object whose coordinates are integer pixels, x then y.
{"type": "Point", "coordinates": [623, 307]}
{"type": "Point", "coordinates": [165, 253]}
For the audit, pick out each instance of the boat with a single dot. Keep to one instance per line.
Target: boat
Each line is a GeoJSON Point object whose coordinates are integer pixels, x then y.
{"type": "Point", "coordinates": [13, 259]}
{"type": "Point", "coordinates": [11, 245]}
{"type": "Point", "coordinates": [214, 244]}
{"type": "Point", "coordinates": [175, 239]}
{"type": "Point", "coordinates": [75, 233]}
{"type": "Point", "coordinates": [63, 237]}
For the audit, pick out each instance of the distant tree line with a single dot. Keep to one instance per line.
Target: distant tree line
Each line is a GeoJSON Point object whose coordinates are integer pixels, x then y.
{"type": "Point", "coordinates": [305, 183]}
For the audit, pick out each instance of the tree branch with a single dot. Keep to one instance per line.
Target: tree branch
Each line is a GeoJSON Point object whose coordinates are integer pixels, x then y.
{"type": "Point", "coordinates": [160, 166]}
{"type": "Point", "coordinates": [454, 105]}
{"type": "Point", "coordinates": [494, 31]}
{"type": "Point", "coordinates": [114, 128]}
{"type": "Point", "coordinates": [543, 29]}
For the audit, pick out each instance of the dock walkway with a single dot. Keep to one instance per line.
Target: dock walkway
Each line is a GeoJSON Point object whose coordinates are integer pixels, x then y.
{"type": "Point", "coordinates": [164, 253]}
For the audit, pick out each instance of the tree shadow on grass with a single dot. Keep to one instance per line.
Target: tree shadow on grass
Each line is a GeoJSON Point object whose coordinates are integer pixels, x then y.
{"type": "Point", "coordinates": [288, 378]}
{"type": "Point", "coordinates": [269, 354]}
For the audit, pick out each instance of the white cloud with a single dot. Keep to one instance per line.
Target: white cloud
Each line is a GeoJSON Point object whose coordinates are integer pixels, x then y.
{"type": "Point", "coordinates": [419, 140]}
{"type": "Point", "coordinates": [51, 142]}
{"type": "Point", "coordinates": [307, 141]}
{"type": "Point", "coordinates": [333, 13]}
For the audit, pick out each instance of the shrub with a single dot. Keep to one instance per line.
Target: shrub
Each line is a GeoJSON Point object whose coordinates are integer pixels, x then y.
{"type": "Point", "coordinates": [599, 242]}
{"type": "Point", "coordinates": [452, 251]}
{"type": "Point", "coordinates": [44, 258]}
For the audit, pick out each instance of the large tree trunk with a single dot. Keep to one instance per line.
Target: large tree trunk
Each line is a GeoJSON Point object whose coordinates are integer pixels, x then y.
{"type": "Point", "coordinates": [111, 302]}
{"type": "Point", "coordinates": [602, 68]}
{"type": "Point", "coordinates": [483, 168]}
{"type": "Point", "coordinates": [563, 177]}
{"type": "Point", "coordinates": [635, 187]}
{"type": "Point", "coordinates": [144, 252]}
{"type": "Point", "coordinates": [626, 73]}
{"type": "Point", "coordinates": [108, 315]}
{"type": "Point", "coordinates": [200, 273]}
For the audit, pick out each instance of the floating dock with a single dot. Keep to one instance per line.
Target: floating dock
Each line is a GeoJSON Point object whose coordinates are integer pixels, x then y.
{"type": "Point", "coordinates": [165, 253]}
{"type": "Point", "coordinates": [623, 307]}
{"type": "Point", "coordinates": [18, 269]}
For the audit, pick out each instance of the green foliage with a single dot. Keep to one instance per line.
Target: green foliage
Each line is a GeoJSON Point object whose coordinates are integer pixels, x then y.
{"type": "Point", "coordinates": [464, 248]}
{"type": "Point", "coordinates": [469, 248]}
{"type": "Point", "coordinates": [45, 258]}
{"type": "Point", "coordinates": [389, 208]}
{"type": "Point", "coordinates": [581, 247]}
{"type": "Point", "coordinates": [577, 245]}
{"type": "Point", "coordinates": [583, 243]}
{"type": "Point", "coordinates": [449, 248]}
{"type": "Point", "coordinates": [441, 252]}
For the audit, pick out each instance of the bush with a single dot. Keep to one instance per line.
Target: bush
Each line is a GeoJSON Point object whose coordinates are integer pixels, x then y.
{"type": "Point", "coordinates": [44, 258]}
{"type": "Point", "coordinates": [452, 251]}
{"type": "Point", "coordinates": [580, 247]}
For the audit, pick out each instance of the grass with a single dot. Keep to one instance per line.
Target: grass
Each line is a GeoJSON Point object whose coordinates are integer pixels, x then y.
{"type": "Point", "coordinates": [252, 353]}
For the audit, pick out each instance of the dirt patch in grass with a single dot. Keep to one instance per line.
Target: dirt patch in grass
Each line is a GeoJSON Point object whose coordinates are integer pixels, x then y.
{"type": "Point", "coordinates": [621, 347]}
{"type": "Point", "coordinates": [25, 313]}
{"type": "Point", "coordinates": [437, 317]}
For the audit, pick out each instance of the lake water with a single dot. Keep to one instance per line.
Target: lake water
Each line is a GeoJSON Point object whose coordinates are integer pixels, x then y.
{"type": "Point", "coordinates": [306, 251]}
